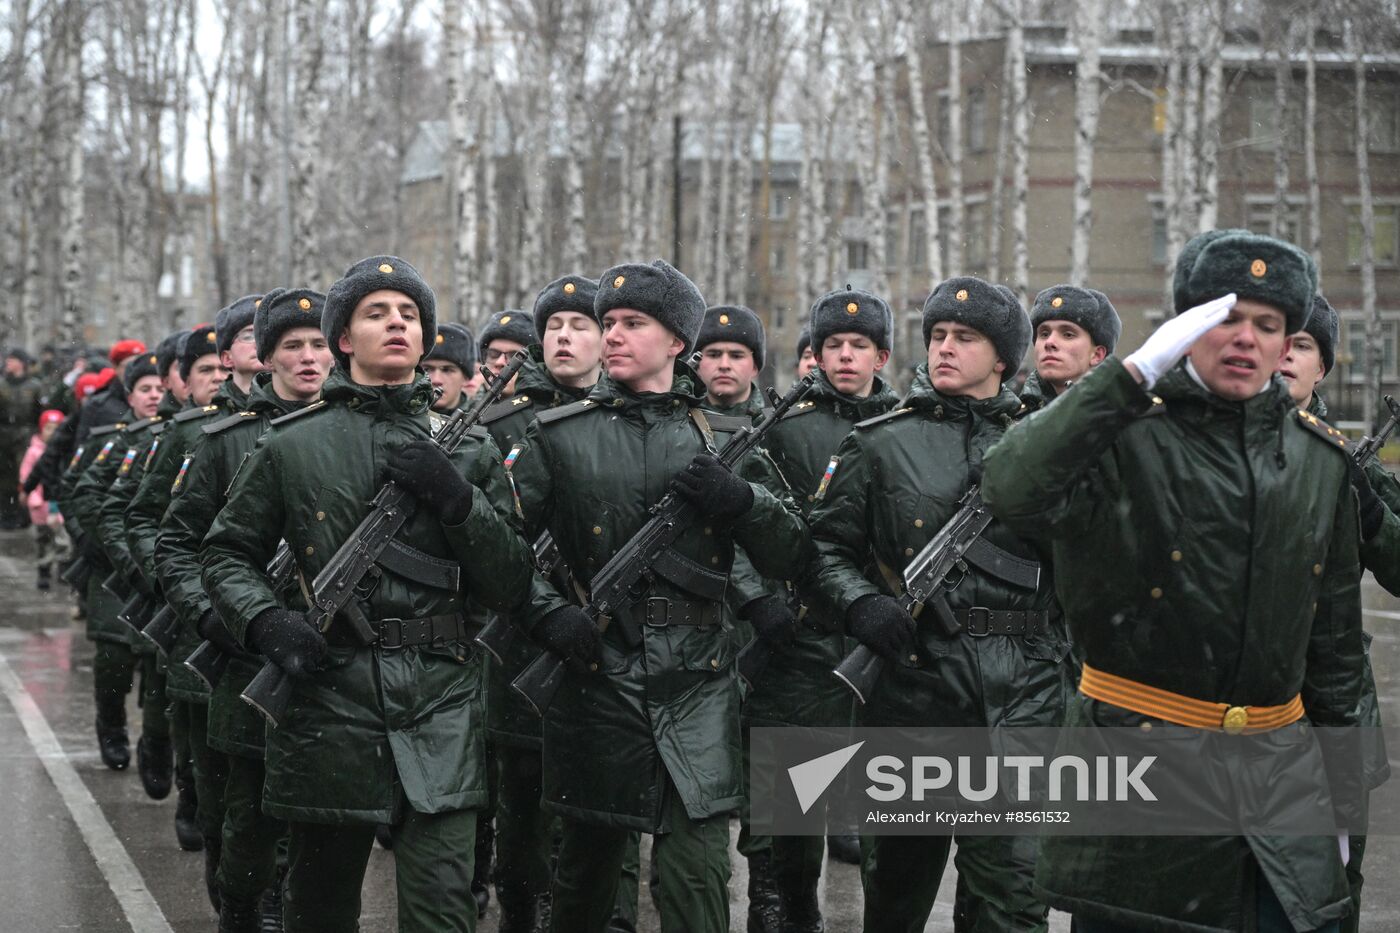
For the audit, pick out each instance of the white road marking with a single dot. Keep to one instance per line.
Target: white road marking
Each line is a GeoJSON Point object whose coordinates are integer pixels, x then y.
{"type": "Point", "coordinates": [136, 900]}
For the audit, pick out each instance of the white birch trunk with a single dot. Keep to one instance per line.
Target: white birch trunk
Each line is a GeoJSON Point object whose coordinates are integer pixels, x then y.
{"type": "Point", "coordinates": [1020, 153]}
{"type": "Point", "coordinates": [953, 147]}
{"type": "Point", "coordinates": [923, 143]}
{"type": "Point", "coordinates": [998, 209]}
{"type": "Point", "coordinates": [1089, 34]}
{"type": "Point", "coordinates": [461, 163]}
{"type": "Point", "coordinates": [1314, 241]}
{"type": "Point", "coordinates": [310, 17]}
{"type": "Point", "coordinates": [1188, 141]}
{"type": "Point", "coordinates": [576, 238]}
{"type": "Point", "coordinates": [1212, 92]}
{"type": "Point", "coordinates": [1284, 132]}
{"type": "Point", "coordinates": [1369, 308]}
{"type": "Point", "coordinates": [1171, 141]}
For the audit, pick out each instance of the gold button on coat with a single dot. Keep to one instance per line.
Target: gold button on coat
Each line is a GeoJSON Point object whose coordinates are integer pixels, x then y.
{"type": "Point", "coordinates": [1156, 592]}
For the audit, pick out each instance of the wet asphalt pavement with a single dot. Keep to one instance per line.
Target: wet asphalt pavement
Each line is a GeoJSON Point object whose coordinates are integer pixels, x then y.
{"type": "Point", "coordinates": [64, 817]}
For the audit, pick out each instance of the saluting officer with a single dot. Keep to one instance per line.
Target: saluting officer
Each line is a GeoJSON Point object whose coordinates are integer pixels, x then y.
{"type": "Point", "coordinates": [1223, 611]}
{"type": "Point", "coordinates": [649, 739]}
{"type": "Point", "coordinates": [1074, 330]}
{"type": "Point", "coordinates": [893, 483]}
{"type": "Point", "coordinates": [289, 342]}
{"type": "Point", "coordinates": [390, 731]}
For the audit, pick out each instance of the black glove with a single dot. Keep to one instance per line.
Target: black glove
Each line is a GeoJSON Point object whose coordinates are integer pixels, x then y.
{"type": "Point", "coordinates": [212, 629]}
{"type": "Point", "coordinates": [568, 631]}
{"type": "Point", "coordinates": [288, 640]}
{"type": "Point", "coordinates": [880, 623]}
{"type": "Point", "coordinates": [1371, 506]}
{"type": "Point", "coordinates": [772, 620]}
{"type": "Point", "coordinates": [424, 470]}
{"type": "Point", "coordinates": [92, 549]}
{"type": "Point", "coordinates": [32, 481]}
{"type": "Point", "coordinates": [713, 488]}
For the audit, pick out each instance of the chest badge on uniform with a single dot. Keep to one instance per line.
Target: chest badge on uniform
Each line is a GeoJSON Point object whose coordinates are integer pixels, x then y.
{"type": "Point", "coordinates": [826, 477]}
{"type": "Point", "coordinates": [106, 449]}
{"type": "Point", "coordinates": [77, 455]}
{"type": "Point", "coordinates": [180, 476]}
{"type": "Point", "coordinates": [435, 422]}
{"type": "Point", "coordinates": [514, 493]}
{"type": "Point", "coordinates": [150, 454]}
{"type": "Point", "coordinates": [127, 461]}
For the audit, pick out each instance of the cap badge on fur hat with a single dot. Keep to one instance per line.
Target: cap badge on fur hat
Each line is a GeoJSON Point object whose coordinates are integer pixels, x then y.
{"type": "Point", "coordinates": [853, 308]}
{"type": "Point", "coordinates": [1257, 268]}
{"type": "Point", "coordinates": [724, 319]}
{"type": "Point", "coordinates": [617, 282]}
{"type": "Point", "coordinates": [257, 303]}
{"type": "Point", "coordinates": [304, 304]}
{"type": "Point", "coordinates": [505, 319]}
{"type": "Point", "coordinates": [154, 361]}
{"type": "Point", "coordinates": [570, 288]}
{"type": "Point", "coordinates": [1057, 302]}
{"type": "Point", "coordinates": [961, 295]}
{"type": "Point", "coordinates": [440, 338]}
{"type": "Point", "coordinates": [211, 337]}
{"type": "Point", "coordinates": [385, 268]}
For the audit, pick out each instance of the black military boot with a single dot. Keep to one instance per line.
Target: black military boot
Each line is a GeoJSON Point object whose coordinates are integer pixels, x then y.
{"type": "Point", "coordinates": [112, 741]}
{"type": "Point", "coordinates": [844, 847]}
{"type": "Point", "coordinates": [213, 848]}
{"type": "Point", "coordinates": [797, 904]}
{"type": "Point", "coordinates": [384, 834]}
{"type": "Point", "coordinates": [155, 761]}
{"type": "Point", "coordinates": [765, 910]}
{"type": "Point", "coordinates": [237, 914]}
{"type": "Point", "coordinates": [481, 868]}
{"type": "Point", "coordinates": [519, 912]}
{"type": "Point", "coordinates": [186, 805]}
{"type": "Point", "coordinates": [272, 906]}
{"type": "Point", "coordinates": [45, 579]}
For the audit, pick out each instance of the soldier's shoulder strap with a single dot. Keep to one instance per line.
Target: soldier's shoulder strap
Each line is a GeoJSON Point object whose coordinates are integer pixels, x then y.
{"type": "Point", "coordinates": [566, 411]}
{"type": "Point", "coordinates": [144, 423]}
{"type": "Point", "coordinates": [107, 429]}
{"type": "Point", "coordinates": [194, 414]}
{"type": "Point", "coordinates": [881, 419]}
{"type": "Point", "coordinates": [318, 405]}
{"type": "Point", "coordinates": [1158, 407]}
{"type": "Point", "coordinates": [804, 407]}
{"type": "Point", "coordinates": [504, 407]}
{"type": "Point", "coordinates": [223, 424]}
{"type": "Point", "coordinates": [1319, 428]}
{"type": "Point", "coordinates": [728, 424]}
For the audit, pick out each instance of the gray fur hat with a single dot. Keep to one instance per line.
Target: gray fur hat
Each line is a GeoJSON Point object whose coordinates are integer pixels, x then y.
{"type": "Point", "coordinates": [804, 342]}
{"type": "Point", "coordinates": [568, 293]}
{"type": "Point", "coordinates": [512, 324]}
{"type": "Point", "coordinates": [143, 364]}
{"type": "Point", "coordinates": [989, 309]}
{"type": "Point", "coordinates": [1323, 326]}
{"type": "Point", "coordinates": [282, 310]}
{"type": "Point", "coordinates": [168, 350]}
{"type": "Point", "coordinates": [454, 344]}
{"type": "Point", "coordinates": [371, 275]}
{"type": "Point", "coordinates": [851, 310]}
{"type": "Point", "coordinates": [1255, 267]}
{"type": "Point", "coordinates": [232, 319]}
{"type": "Point", "coordinates": [1085, 307]}
{"type": "Point", "coordinates": [659, 290]}
{"type": "Point", "coordinates": [735, 324]}
{"type": "Point", "coordinates": [201, 341]}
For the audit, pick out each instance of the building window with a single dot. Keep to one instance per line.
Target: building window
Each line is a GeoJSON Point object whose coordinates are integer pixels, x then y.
{"type": "Point", "coordinates": [1383, 119]}
{"type": "Point", "coordinates": [857, 255]}
{"type": "Point", "coordinates": [945, 221]}
{"type": "Point", "coordinates": [165, 288]}
{"type": "Point", "coordinates": [778, 262]}
{"type": "Point", "coordinates": [1264, 129]}
{"type": "Point", "coordinates": [941, 125]}
{"type": "Point", "coordinates": [778, 205]}
{"type": "Point", "coordinates": [1387, 230]}
{"type": "Point", "coordinates": [1159, 232]}
{"type": "Point", "coordinates": [977, 120]}
{"type": "Point", "coordinates": [918, 241]}
{"type": "Point", "coordinates": [975, 244]}
{"type": "Point", "coordinates": [1261, 220]}
{"type": "Point", "coordinates": [893, 228]}
{"type": "Point", "coordinates": [1356, 349]}
{"type": "Point", "coordinates": [187, 275]}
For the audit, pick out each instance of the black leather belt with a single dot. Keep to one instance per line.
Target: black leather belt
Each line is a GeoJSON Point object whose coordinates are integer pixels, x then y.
{"type": "Point", "coordinates": [436, 631]}
{"type": "Point", "coordinates": [979, 621]}
{"type": "Point", "coordinates": [661, 611]}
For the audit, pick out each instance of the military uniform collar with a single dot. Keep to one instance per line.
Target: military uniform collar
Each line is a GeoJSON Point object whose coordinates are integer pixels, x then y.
{"type": "Point", "coordinates": [685, 390]}
{"type": "Point", "coordinates": [924, 397]}
{"type": "Point", "coordinates": [1180, 391]}
{"type": "Point", "coordinates": [880, 400]}
{"type": "Point", "coordinates": [413, 398]}
{"type": "Point", "coordinates": [1317, 406]}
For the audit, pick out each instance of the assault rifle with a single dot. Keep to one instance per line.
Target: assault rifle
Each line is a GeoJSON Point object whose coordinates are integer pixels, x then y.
{"type": "Point", "coordinates": [957, 544]}
{"type": "Point", "coordinates": [1369, 447]}
{"type": "Point", "coordinates": [497, 634]}
{"type": "Point", "coordinates": [619, 585]}
{"type": "Point", "coordinates": [333, 591]}
{"type": "Point", "coordinates": [77, 573]}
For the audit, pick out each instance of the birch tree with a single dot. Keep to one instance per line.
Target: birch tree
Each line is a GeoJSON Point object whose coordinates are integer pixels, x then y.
{"type": "Point", "coordinates": [1020, 149]}
{"type": "Point", "coordinates": [1212, 87]}
{"type": "Point", "coordinates": [1314, 234]}
{"type": "Point", "coordinates": [461, 161]}
{"type": "Point", "coordinates": [953, 145]}
{"type": "Point", "coordinates": [1369, 308]}
{"type": "Point", "coordinates": [1088, 36]}
{"type": "Point", "coordinates": [923, 139]}
{"type": "Point", "coordinates": [307, 263]}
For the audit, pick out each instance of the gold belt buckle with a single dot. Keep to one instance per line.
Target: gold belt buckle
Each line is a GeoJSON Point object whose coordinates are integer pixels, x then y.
{"type": "Point", "coordinates": [1236, 718]}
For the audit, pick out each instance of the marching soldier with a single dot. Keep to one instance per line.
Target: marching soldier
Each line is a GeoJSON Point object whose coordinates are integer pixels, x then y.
{"type": "Point", "coordinates": [198, 814]}
{"type": "Point", "coordinates": [289, 342]}
{"type": "Point", "coordinates": [565, 361]}
{"type": "Point", "coordinates": [797, 687]}
{"type": "Point", "coordinates": [389, 731]}
{"type": "Point", "coordinates": [115, 663]}
{"type": "Point", "coordinates": [1074, 329]}
{"type": "Point", "coordinates": [893, 483]}
{"type": "Point", "coordinates": [731, 345]}
{"type": "Point", "coordinates": [506, 334]}
{"type": "Point", "coordinates": [806, 356]}
{"type": "Point", "coordinates": [1223, 613]}
{"type": "Point", "coordinates": [449, 365]}
{"type": "Point", "coordinates": [1309, 359]}
{"type": "Point", "coordinates": [649, 740]}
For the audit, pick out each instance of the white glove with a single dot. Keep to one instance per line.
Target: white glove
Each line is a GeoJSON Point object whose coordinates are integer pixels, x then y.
{"type": "Point", "coordinates": [1169, 343]}
{"type": "Point", "coordinates": [1344, 842]}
